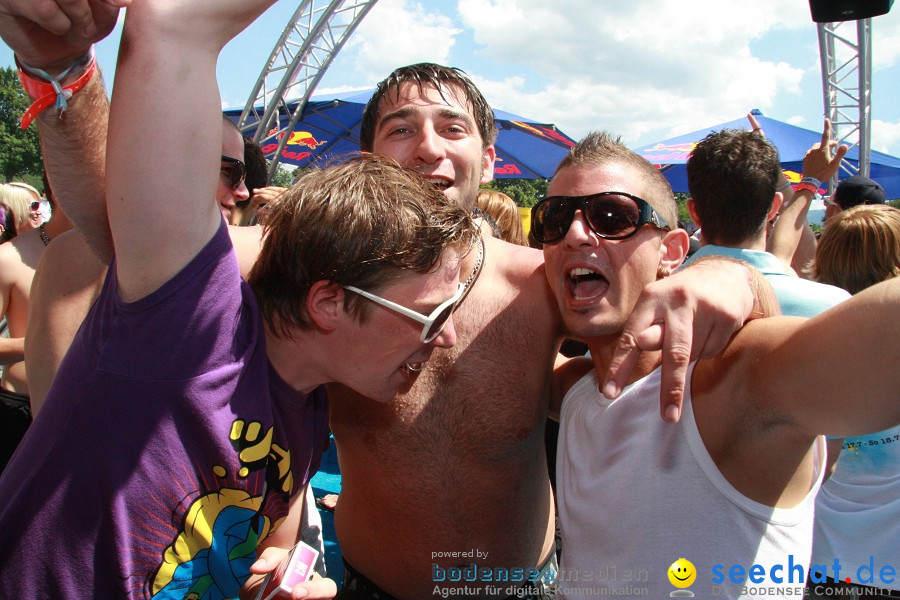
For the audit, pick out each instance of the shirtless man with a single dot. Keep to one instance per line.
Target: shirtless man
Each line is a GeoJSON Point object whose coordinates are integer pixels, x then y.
{"type": "Point", "coordinates": [18, 260]}
{"type": "Point", "coordinates": [457, 464]}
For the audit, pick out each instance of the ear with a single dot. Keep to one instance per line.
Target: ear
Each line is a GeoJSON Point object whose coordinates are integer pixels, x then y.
{"type": "Point", "coordinates": [487, 164]}
{"type": "Point", "coordinates": [692, 210]}
{"type": "Point", "coordinates": [673, 250]}
{"type": "Point", "coordinates": [777, 201]}
{"type": "Point", "coordinates": [325, 305]}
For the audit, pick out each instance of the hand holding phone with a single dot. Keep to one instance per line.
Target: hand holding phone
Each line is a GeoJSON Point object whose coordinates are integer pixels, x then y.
{"type": "Point", "coordinates": [296, 567]}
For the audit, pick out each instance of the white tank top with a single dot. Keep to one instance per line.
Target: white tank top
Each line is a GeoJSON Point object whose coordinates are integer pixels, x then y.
{"type": "Point", "coordinates": [635, 494]}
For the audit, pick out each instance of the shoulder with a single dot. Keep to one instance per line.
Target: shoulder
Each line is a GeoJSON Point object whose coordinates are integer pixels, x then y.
{"type": "Point", "coordinates": [565, 376]}
{"type": "Point", "coordinates": [17, 256]}
{"type": "Point", "coordinates": [804, 298]}
{"type": "Point", "coordinates": [735, 381]}
{"type": "Point", "coordinates": [513, 257]}
{"type": "Point", "coordinates": [247, 242]}
{"type": "Point", "coordinates": [69, 258]}
{"type": "Point", "coordinates": [519, 267]}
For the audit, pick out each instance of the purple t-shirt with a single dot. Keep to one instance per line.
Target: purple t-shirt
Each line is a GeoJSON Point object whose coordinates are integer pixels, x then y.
{"type": "Point", "coordinates": [166, 450]}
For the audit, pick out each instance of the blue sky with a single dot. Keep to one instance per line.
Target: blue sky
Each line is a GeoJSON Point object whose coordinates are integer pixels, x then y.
{"type": "Point", "coordinates": [644, 69]}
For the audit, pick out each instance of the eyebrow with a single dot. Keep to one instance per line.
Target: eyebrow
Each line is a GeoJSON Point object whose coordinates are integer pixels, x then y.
{"type": "Point", "coordinates": [444, 113]}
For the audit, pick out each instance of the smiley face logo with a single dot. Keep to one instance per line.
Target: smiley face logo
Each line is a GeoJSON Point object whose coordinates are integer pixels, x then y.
{"type": "Point", "coordinates": [682, 573]}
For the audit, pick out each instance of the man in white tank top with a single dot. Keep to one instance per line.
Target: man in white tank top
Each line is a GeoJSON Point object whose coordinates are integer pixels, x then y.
{"type": "Point", "coordinates": [718, 501]}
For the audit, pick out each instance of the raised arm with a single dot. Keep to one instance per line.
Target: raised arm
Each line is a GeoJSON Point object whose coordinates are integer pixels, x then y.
{"type": "Point", "coordinates": [792, 240]}
{"type": "Point", "coordinates": [162, 207]}
{"type": "Point", "coordinates": [837, 373]}
{"type": "Point", "coordinates": [50, 35]}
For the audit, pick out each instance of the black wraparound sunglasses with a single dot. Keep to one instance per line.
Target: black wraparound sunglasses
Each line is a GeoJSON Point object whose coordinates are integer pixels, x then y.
{"type": "Point", "coordinates": [611, 215]}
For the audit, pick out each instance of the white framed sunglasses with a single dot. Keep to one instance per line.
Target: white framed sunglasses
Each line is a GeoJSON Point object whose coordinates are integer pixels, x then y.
{"type": "Point", "coordinates": [432, 325]}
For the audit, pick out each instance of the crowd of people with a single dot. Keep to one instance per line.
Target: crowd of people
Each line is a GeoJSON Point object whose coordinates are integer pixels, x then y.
{"type": "Point", "coordinates": [184, 375]}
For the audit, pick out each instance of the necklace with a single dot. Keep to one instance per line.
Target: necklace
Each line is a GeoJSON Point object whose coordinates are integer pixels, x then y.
{"type": "Point", "coordinates": [476, 270]}
{"type": "Point", "coordinates": [44, 237]}
{"type": "Point", "coordinates": [473, 276]}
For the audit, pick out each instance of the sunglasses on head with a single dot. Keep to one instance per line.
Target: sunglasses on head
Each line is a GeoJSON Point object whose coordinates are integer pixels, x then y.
{"type": "Point", "coordinates": [611, 215]}
{"type": "Point", "coordinates": [432, 325]}
{"type": "Point", "coordinates": [235, 171]}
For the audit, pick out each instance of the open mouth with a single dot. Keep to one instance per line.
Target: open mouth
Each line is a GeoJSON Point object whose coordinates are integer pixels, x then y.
{"type": "Point", "coordinates": [586, 284]}
{"type": "Point", "coordinates": [441, 184]}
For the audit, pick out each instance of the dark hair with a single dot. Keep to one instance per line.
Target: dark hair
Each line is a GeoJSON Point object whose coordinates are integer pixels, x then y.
{"type": "Point", "coordinates": [257, 166]}
{"type": "Point", "coordinates": [440, 78]}
{"type": "Point", "coordinates": [732, 176]}
{"type": "Point", "coordinates": [364, 222]}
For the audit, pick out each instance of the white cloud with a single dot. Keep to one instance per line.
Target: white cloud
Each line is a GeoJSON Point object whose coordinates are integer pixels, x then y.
{"type": "Point", "coordinates": [646, 66]}
{"type": "Point", "coordinates": [400, 32]}
{"type": "Point", "coordinates": [885, 135]}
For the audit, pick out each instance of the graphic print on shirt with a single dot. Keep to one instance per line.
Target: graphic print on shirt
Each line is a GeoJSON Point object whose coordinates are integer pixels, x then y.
{"type": "Point", "coordinates": [225, 520]}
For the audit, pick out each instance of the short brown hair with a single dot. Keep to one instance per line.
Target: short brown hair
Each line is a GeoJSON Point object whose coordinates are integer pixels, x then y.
{"type": "Point", "coordinates": [363, 222]}
{"type": "Point", "coordinates": [601, 147]}
{"type": "Point", "coordinates": [732, 175]}
{"type": "Point", "coordinates": [860, 247]}
{"type": "Point", "coordinates": [440, 78]}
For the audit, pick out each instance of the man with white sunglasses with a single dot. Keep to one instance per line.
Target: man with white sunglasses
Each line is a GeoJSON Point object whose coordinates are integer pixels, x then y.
{"type": "Point", "coordinates": [173, 451]}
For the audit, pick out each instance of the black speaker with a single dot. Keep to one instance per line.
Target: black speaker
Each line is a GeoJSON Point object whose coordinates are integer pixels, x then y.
{"type": "Point", "coordinates": [831, 11]}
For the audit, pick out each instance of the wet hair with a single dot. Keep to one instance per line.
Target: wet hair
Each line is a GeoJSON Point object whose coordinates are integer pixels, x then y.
{"type": "Point", "coordinates": [364, 222]}
{"type": "Point", "coordinates": [444, 80]}
{"type": "Point", "coordinates": [602, 147]}
{"type": "Point", "coordinates": [732, 176]}
{"type": "Point", "coordinates": [859, 248]}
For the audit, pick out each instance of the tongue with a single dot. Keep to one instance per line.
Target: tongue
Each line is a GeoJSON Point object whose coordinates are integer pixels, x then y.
{"type": "Point", "coordinates": [589, 287]}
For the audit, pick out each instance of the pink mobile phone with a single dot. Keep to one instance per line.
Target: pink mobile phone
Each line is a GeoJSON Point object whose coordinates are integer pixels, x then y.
{"type": "Point", "coordinates": [296, 567]}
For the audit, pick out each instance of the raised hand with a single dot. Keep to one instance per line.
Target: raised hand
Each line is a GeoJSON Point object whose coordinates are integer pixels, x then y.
{"type": "Point", "coordinates": [819, 161]}
{"type": "Point", "coordinates": [49, 34]}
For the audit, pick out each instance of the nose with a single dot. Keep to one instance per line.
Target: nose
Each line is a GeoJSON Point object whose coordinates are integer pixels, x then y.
{"type": "Point", "coordinates": [241, 193]}
{"type": "Point", "coordinates": [579, 234]}
{"type": "Point", "coordinates": [429, 146]}
{"type": "Point", "coordinates": [447, 337]}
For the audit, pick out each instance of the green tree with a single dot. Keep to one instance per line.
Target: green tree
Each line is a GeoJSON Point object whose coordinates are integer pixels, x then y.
{"type": "Point", "coordinates": [20, 151]}
{"type": "Point", "coordinates": [681, 200]}
{"type": "Point", "coordinates": [525, 192]}
{"type": "Point", "coordinates": [283, 177]}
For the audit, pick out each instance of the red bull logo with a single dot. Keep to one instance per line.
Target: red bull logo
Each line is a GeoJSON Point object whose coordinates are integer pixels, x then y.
{"type": "Point", "coordinates": [304, 138]}
{"type": "Point", "coordinates": [507, 169]}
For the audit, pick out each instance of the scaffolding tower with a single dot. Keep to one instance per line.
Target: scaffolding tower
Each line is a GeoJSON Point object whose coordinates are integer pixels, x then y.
{"type": "Point", "coordinates": [310, 41]}
{"type": "Point", "coordinates": [846, 57]}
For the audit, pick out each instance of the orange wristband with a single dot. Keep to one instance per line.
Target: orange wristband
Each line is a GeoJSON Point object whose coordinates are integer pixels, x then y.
{"type": "Point", "coordinates": [49, 91]}
{"type": "Point", "coordinates": [806, 186]}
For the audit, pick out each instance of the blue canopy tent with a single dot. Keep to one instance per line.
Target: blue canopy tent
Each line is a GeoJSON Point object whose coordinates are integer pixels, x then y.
{"type": "Point", "coordinates": [792, 142]}
{"type": "Point", "coordinates": [329, 128]}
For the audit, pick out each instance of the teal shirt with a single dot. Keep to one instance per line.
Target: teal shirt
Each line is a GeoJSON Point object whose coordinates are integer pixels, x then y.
{"type": "Point", "coordinates": [797, 297]}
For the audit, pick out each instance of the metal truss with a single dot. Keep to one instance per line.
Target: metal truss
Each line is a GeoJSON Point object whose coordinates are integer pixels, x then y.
{"type": "Point", "coordinates": [310, 41]}
{"type": "Point", "coordinates": [846, 58]}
